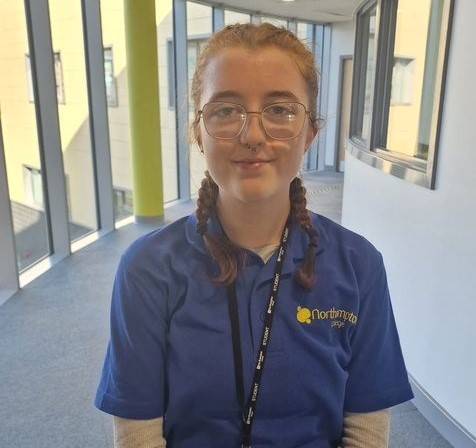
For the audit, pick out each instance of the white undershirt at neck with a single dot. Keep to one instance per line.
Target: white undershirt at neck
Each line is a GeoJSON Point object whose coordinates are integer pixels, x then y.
{"type": "Point", "coordinates": [266, 251]}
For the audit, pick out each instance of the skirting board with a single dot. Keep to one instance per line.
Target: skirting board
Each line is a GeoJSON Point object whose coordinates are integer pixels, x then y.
{"type": "Point", "coordinates": [442, 421]}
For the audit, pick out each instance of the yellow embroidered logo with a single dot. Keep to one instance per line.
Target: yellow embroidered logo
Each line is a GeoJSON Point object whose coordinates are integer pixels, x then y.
{"type": "Point", "coordinates": [337, 317]}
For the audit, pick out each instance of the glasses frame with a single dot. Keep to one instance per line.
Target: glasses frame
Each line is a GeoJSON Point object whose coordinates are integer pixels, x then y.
{"type": "Point", "coordinates": [260, 113]}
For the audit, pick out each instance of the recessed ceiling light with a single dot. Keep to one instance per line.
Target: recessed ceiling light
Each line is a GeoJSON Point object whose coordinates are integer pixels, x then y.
{"type": "Point", "coordinates": [286, 1]}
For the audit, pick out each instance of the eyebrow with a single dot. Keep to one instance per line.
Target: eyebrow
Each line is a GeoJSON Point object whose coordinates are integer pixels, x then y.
{"type": "Point", "coordinates": [273, 94]}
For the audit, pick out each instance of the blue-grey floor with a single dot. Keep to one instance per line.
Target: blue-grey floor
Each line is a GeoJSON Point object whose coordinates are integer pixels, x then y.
{"type": "Point", "coordinates": [53, 335]}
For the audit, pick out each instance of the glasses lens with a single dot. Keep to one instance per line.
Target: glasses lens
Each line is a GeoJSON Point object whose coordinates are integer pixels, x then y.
{"type": "Point", "coordinates": [284, 120]}
{"type": "Point", "coordinates": [281, 121]}
{"type": "Point", "coordinates": [223, 120]}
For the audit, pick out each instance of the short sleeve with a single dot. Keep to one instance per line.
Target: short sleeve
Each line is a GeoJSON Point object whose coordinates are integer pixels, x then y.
{"type": "Point", "coordinates": [133, 378]}
{"type": "Point", "coordinates": [377, 377]}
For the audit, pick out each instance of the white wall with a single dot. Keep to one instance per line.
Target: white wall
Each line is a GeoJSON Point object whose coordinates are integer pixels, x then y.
{"type": "Point", "coordinates": [428, 240]}
{"type": "Point", "coordinates": [342, 44]}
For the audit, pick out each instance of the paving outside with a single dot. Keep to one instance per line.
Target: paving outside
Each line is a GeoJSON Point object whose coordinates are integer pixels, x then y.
{"type": "Point", "coordinates": [53, 335]}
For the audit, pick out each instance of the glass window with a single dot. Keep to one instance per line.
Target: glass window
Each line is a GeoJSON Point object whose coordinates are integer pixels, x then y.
{"type": "Point", "coordinates": [304, 32]}
{"type": "Point", "coordinates": [236, 17]}
{"type": "Point", "coordinates": [365, 69]}
{"type": "Point", "coordinates": [70, 70]}
{"type": "Point", "coordinates": [405, 86]}
{"type": "Point", "coordinates": [110, 79]}
{"type": "Point", "coordinates": [275, 21]}
{"type": "Point", "coordinates": [113, 35]}
{"type": "Point", "coordinates": [29, 79]}
{"type": "Point", "coordinates": [413, 82]}
{"type": "Point", "coordinates": [33, 185]}
{"type": "Point", "coordinates": [170, 74]}
{"type": "Point", "coordinates": [58, 79]}
{"type": "Point", "coordinates": [199, 28]}
{"type": "Point", "coordinates": [115, 72]}
{"type": "Point", "coordinates": [20, 138]}
{"type": "Point", "coordinates": [164, 20]}
{"type": "Point", "coordinates": [402, 82]}
{"type": "Point", "coordinates": [122, 203]}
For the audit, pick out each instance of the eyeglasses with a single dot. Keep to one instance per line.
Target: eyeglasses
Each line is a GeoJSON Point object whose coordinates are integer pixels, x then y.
{"type": "Point", "coordinates": [281, 121]}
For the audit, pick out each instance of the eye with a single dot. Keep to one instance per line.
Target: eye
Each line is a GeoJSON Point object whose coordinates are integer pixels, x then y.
{"type": "Point", "coordinates": [281, 110]}
{"type": "Point", "coordinates": [225, 111]}
{"type": "Point", "coordinates": [222, 112]}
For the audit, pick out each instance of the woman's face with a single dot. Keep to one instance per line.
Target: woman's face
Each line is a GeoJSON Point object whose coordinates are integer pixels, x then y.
{"type": "Point", "coordinates": [252, 78]}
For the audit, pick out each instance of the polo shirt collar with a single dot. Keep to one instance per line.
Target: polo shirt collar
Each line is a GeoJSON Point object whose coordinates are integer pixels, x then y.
{"type": "Point", "coordinates": [297, 244]}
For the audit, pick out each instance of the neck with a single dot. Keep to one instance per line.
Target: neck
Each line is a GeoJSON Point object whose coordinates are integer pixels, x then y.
{"type": "Point", "coordinates": [254, 224]}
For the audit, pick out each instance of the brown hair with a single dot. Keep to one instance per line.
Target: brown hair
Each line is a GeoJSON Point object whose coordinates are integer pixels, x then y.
{"type": "Point", "coordinates": [228, 256]}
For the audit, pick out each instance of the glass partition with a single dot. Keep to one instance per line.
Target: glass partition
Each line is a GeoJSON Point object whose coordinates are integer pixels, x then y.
{"type": "Point", "coordinates": [68, 41]}
{"type": "Point", "coordinates": [199, 29]}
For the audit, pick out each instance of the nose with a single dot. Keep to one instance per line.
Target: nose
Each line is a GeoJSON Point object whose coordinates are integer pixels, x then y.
{"type": "Point", "coordinates": [253, 133]}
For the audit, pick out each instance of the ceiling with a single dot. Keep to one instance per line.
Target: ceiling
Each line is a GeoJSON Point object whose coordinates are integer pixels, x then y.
{"type": "Point", "coordinates": [323, 11]}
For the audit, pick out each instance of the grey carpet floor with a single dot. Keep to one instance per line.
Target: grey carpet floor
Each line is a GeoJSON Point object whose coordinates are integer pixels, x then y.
{"type": "Point", "coordinates": [53, 336]}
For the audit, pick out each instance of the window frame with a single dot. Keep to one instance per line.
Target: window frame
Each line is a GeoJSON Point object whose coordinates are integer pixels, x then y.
{"type": "Point", "coordinates": [412, 169]}
{"type": "Point", "coordinates": [196, 39]}
{"type": "Point", "coordinates": [359, 73]}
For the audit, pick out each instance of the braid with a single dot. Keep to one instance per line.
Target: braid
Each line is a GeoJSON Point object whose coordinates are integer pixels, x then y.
{"type": "Point", "coordinates": [206, 202]}
{"type": "Point", "coordinates": [229, 257]}
{"type": "Point", "coordinates": [305, 275]}
{"type": "Point", "coordinates": [222, 250]}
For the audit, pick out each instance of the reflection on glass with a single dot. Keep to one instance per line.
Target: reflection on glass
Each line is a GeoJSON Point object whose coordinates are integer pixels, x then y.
{"type": "Point", "coordinates": [369, 73]}
{"type": "Point", "coordinates": [236, 17]}
{"type": "Point", "coordinates": [413, 78]}
{"type": "Point", "coordinates": [110, 77]}
{"type": "Point", "coordinates": [304, 32]}
{"type": "Point", "coordinates": [275, 21]}
{"type": "Point", "coordinates": [164, 20]}
{"type": "Point", "coordinates": [199, 27]}
{"type": "Point", "coordinates": [20, 138]}
{"type": "Point", "coordinates": [73, 111]}
{"type": "Point", "coordinates": [115, 73]}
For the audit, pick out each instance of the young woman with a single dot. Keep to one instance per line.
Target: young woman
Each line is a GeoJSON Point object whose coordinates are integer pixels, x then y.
{"type": "Point", "coordinates": [253, 321]}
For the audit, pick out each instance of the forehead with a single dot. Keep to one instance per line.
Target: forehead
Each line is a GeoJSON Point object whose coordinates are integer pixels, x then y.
{"type": "Point", "coordinates": [252, 74]}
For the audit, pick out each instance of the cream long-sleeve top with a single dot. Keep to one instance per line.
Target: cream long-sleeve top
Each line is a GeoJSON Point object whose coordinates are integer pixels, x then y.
{"type": "Point", "coordinates": [360, 430]}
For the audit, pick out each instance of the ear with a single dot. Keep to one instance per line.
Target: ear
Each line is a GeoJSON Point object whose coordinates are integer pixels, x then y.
{"type": "Point", "coordinates": [312, 132]}
{"type": "Point", "coordinates": [198, 138]}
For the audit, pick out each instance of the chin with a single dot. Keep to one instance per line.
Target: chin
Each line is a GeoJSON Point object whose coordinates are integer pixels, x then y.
{"type": "Point", "coordinates": [254, 194]}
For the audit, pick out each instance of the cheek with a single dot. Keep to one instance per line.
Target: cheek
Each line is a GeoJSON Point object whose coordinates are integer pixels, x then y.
{"type": "Point", "coordinates": [293, 160]}
{"type": "Point", "coordinates": [216, 162]}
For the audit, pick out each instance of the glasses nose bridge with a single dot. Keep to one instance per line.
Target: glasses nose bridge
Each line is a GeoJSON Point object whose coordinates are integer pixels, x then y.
{"type": "Point", "coordinates": [260, 120]}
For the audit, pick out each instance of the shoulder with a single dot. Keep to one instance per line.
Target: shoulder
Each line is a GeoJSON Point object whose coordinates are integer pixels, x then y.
{"type": "Point", "coordinates": [156, 247]}
{"type": "Point", "coordinates": [346, 246]}
{"type": "Point", "coordinates": [339, 237]}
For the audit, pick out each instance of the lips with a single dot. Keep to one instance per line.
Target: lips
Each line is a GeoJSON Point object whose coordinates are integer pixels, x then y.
{"type": "Point", "coordinates": [251, 166]}
{"type": "Point", "coordinates": [252, 161]}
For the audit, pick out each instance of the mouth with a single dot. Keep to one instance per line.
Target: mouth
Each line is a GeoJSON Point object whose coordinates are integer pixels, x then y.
{"type": "Point", "coordinates": [251, 163]}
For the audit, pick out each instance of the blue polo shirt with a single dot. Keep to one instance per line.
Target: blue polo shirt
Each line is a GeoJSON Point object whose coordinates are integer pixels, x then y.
{"type": "Point", "coordinates": [333, 349]}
